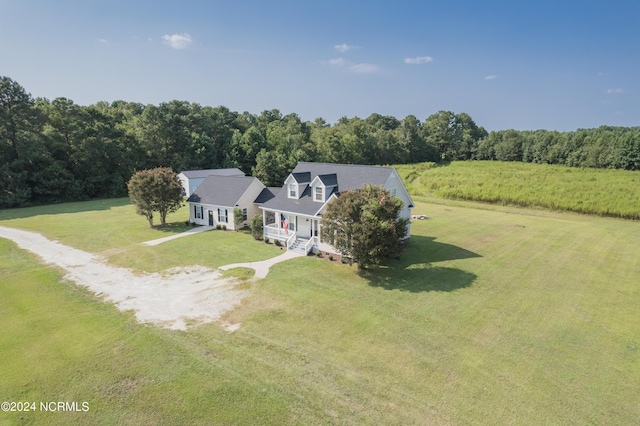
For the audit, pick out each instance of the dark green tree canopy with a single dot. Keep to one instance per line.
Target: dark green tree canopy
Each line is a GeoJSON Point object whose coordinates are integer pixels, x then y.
{"type": "Point", "coordinates": [155, 190]}
{"type": "Point", "coordinates": [53, 151]}
{"type": "Point", "coordinates": [364, 225]}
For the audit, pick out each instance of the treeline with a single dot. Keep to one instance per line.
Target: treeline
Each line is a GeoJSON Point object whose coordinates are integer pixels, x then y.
{"type": "Point", "coordinates": [52, 151]}
{"type": "Point", "coordinates": [604, 147]}
{"type": "Point", "coordinates": [56, 150]}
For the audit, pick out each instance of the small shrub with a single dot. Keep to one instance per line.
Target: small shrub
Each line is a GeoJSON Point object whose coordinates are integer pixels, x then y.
{"type": "Point", "coordinates": [257, 227]}
{"type": "Point", "coordinates": [319, 254]}
{"type": "Point", "coordinates": [224, 227]}
{"type": "Point", "coordinates": [218, 227]}
{"type": "Point", "coordinates": [277, 242]}
{"type": "Point", "coordinates": [331, 257]}
{"type": "Point", "coordinates": [266, 240]}
{"type": "Point", "coordinates": [238, 218]}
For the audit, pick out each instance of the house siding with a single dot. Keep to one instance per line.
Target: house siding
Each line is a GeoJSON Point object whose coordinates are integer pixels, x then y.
{"type": "Point", "coordinates": [244, 202]}
{"type": "Point", "coordinates": [189, 185]}
{"type": "Point", "coordinates": [214, 209]}
{"type": "Point", "coordinates": [247, 201]}
{"type": "Point", "coordinates": [395, 182]}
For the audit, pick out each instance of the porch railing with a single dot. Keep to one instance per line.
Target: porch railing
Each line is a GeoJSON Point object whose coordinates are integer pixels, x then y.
{"type": "Point", "coordinates": [275, 232]}
{"type": "Point", "coordinates": [308, 245]}
{"type": "Point", "coordinates": [291, 240]}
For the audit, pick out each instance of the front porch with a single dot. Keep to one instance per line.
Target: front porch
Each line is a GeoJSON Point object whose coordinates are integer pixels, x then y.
{"type": "Point", "coordinates": [296, 232]}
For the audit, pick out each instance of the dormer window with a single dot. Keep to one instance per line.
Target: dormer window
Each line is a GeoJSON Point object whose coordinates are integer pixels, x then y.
{"type": "Point", "coordinates": [318, 194]}
{"type": "Point", "coordinates": [293, 190]}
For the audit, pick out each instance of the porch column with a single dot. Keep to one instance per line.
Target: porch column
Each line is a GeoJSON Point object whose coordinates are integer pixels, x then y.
{"type": "Point", "coordinates": [278, 216]}
{"type": "Point", "coordinates": [264, 223]}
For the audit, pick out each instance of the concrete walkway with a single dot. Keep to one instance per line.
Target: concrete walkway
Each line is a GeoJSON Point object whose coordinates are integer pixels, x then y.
{"type": "Point", "coordinates": [180, 235]}
{"type": "Point", "coordinates": [262, 267]}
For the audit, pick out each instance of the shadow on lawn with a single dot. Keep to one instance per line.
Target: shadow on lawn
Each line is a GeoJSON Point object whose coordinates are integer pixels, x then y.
{"type": "Point", "coordinates": [415, 272]}
{"type": "Point", "coordinates": [173, 227]}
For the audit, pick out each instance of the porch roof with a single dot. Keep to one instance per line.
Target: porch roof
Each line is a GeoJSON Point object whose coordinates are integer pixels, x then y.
{"type": "Point", "coordinates": [287, 210]}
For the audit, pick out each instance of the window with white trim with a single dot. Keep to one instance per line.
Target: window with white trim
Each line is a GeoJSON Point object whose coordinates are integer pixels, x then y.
{"type": "Point", "coordinates": [222, 215]}
{"type": "Point", "coordinates": [318, 194]}
{"type": "Point", "coordinates": [244, 214]}
{"type": "Point", "coordinates": [293, 190]}
{"type": "Point", "coordinates": [198, 212]}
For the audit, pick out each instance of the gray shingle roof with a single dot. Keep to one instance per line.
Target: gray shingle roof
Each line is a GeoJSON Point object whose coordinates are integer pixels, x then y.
{"type": "Point", "coordinates": [329, 180]}
{"type": "Point", "coordinates": [347, 176]}
{"type": "Point", "coordinates": [221, 190]}
{"type": "Point", "coordinates": [302, 177]}
{"type": "Point", "coordinates": [267, 194]}
{"type": "Point", "coordinates": [196, 174]}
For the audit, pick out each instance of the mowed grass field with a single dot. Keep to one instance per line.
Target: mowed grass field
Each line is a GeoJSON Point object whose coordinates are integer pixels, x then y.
{"type": "Point", "coordinates": [493, 315]}
{"type": "Point", "coordinates": [111, 229]}
{"type": "Point", "coordinates": [604, 192]}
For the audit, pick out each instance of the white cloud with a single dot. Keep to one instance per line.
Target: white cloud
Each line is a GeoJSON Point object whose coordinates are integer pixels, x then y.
{"type": "Point", "coordinates": [177, 41]}
{"type": "Point", "coordinates": [615, 91]}
{"type": "Point", "coordinates": [103, 40]}
{"type": "Point", "coordinates": [344, 47]}
{"type": "Point", "coordinates": [362, 68]}
{"type": "Point", "coordinates": [418, 60]}
{"type": "Point", "coordinates": [339, 62]}
{"type": "Point", "coordinates": [490, 77]}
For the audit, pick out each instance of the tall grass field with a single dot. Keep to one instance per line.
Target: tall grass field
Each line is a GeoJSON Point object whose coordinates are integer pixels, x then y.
{"type": "Point", "coordinates": [604, 192]}
{"type": "Point", "coordinates": [490, 316]}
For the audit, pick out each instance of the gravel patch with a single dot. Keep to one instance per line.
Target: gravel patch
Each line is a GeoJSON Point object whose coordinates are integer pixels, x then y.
{"type": "Point", "coordinates": [175, 298]}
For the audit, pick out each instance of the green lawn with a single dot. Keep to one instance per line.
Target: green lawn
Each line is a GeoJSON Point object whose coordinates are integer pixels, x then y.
{"type": "Point", "coordinates": [605, 192]}
{"type": "Point", "coordinates": [112, 229]}
{"type": "Point", "coordinates": [494, 315]}
{"type": "Point", "coordinates": [93, 226]}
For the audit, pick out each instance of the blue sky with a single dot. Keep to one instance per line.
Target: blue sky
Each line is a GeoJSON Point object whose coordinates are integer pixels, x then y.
{"type": "Point", "coordinates": [542, 64]}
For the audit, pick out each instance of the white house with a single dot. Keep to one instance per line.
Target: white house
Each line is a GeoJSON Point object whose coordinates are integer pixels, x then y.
{"type": "Point", "coordinates": [294, 214]}
{"type": "Point", "coordinates": [213, 201]}
{"type": "Point", "coordinates": [191, 179]}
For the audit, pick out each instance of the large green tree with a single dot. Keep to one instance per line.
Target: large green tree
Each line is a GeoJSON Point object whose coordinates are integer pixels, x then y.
{"type": "Point", "coordinates": [155, 190]}
{"type": "Point", "coordinates": [364, 225]}
{"type": "Point", "coordinates": [455, 136]}
{"type": "Point", "coordinates": [21, 150]}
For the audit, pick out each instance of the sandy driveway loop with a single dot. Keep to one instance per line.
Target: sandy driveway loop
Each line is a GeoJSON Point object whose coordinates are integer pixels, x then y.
{"type": "Point", "coordinates": [171, 299]}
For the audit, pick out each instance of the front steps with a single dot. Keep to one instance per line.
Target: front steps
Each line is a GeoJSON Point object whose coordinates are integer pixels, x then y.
{"type": "Point", "coordinates": [298, 246]}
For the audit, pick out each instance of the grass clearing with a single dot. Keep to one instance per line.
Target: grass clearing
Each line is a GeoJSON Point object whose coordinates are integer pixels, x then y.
{"type": "Point", "coordinates": [604, 192]}
{"type": "Point", "coordinates": [493, 315]}
{"type": "Point", "coordinates": [112, 229]}
{"type": "Point", "coordinates": [93, 226]}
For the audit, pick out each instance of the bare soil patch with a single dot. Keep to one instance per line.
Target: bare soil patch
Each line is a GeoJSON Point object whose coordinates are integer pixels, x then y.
{"type": "Point", "coordinates": [175, 298]}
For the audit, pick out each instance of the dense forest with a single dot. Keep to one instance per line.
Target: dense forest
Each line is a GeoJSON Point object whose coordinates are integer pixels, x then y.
{"type": "Point", "coordinates": [56, 150]}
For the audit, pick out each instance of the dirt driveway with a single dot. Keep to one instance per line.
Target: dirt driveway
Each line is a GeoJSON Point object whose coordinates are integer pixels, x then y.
{"type": "Point", "coordinates": [174, 298]}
